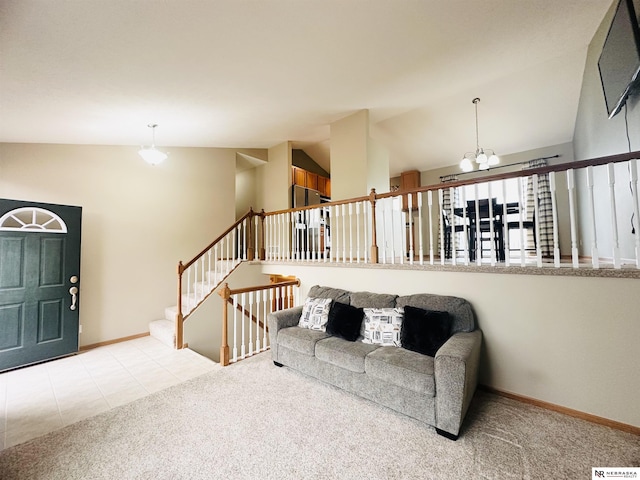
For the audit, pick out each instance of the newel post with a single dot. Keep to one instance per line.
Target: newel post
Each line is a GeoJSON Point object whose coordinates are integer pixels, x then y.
{"type": "Point", "coordinates": [374, 240]}
{"type": "Point", "coordinates": [179, 316]}
{"type": "Point", "coordinates": [251, 253]}
{"type": "Point", "coordinates": [262, 252]}
{"type": "Point", "coordinates": [225, 293]}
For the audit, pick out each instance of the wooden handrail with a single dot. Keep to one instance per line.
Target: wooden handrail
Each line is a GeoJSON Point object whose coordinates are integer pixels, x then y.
{"type": "Point", "coordinates": [235, 291]}
{"type": "Point", "coordinates": [250, 213]}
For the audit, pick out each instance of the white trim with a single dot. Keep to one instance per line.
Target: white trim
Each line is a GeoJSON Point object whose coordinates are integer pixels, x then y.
{"type": "Point", "coordinates": [36, 224]}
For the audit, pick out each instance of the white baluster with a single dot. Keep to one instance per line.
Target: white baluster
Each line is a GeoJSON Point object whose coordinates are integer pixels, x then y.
{"type": "Point", "coordinates": [595, 258]}
{"type": "Point", "coordinates": [383, 222]}
{"type": "Point", "coordinates": [410, 225]}
{"type": "Point", "coordinates": [202, 282]}
{"type": "Point", "coordinates": [420, 249]}
{"type": "Point", "coordinates": [554, 211]}
{"type": "Point", "coordinates": [244, 239]}
{"type": "Point", "coordinates": [235, 327]}
{"type": "Point", "coordinates": [614, 216]}
{"type": "Point", "coordinates": [258, 297]}
{"type": "Point", "coordinates": [209, 270]}
{"type": "Point", "coordinates": [350, 211]}
{"type": "Point", "coordinates": [392, 215]}
{"type": "Point", "coordinates": [229, 241]}
{"type": "Point", "coordinates": [189, 288]}
{"type": "Point", "coordinates": [358, 232]}
{"type": "Point", "coordinates": [571, 186]}
{"type": "Point", "coordinates": [537, 217]}
{"type": "Point", "coordinates": [430, 208]}
{"type": "Point", "coordinates": [442, 234]}
{"type": "Point", "coordinates": [294, 236]}
{"type": "Point", "coordinates": [335, 233]}
{"type": "Point", "coordinates": [215, 264]}
{"type": "Point", "coordinates": [521, 205]}
{"type": "Point", "coordinates": [403, 233]}
{"type": "Point", "coordinates": [477, 233]}
{"type": "Point", "coordinates": [344, 235]}
{"type": "Point", "coordinates": [264, 322]}
{"type": "Point", "coordinates": [465, 227]}
{"type": "Point", "coordinates": [633, 174]}
{"type": "Point", "coordinates": [243, 347]}
{"type": "Point", "coordinates": [256, 235]}
{"type": "Point", "coordinates": [451, 214]}
{"type": "Point", "coordinates": [492, 233]}
{"type": "Point", "coordinates": [250, 322]}
{"type": "Point", "coordinates": [505, 226]}
{"type": "Point", "coordinates": [366, 213]}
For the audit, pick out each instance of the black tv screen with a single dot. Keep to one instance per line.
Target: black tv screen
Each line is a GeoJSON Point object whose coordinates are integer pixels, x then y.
{"type": "Point", "coordinates": [619, 62]}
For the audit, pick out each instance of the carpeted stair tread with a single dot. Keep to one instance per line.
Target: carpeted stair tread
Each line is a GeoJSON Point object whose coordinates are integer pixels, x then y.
{"type": "Point", "coordinates": [164, 331]}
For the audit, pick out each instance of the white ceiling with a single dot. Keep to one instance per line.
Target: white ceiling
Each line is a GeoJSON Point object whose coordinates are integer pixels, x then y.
{"type": "Point", "coordinates": [255, 73]}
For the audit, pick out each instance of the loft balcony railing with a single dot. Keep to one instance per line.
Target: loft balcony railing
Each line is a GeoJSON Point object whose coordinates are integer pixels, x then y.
{"type": "Point", "coordinates": [580, 216]}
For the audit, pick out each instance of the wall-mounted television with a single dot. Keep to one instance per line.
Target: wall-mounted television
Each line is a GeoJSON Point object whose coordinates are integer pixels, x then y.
{"type": "Point", "coordinates": [619, 62]}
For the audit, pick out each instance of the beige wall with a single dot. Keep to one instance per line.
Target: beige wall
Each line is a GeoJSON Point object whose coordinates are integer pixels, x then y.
{"type": "Point", "coordinates": [570, 341]}
{"type": "Point", "coordinates": [273, 180]}
{"type": "Point", "coordinates": [349, 142]}
{"type": "Point", "coordinates": [138, 221]}
{"type": "Point", "coordinates": [378, 167]}
{"type": "Point", "coordinates": [246, 188]}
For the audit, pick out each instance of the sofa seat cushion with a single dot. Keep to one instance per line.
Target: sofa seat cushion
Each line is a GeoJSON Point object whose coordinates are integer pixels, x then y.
{"type": "Point", "coordinates": [403, 368]}
{"type": "Point", "coordinates": [344, 354]}
{"type": "Point", "coordinates": [302, 340]}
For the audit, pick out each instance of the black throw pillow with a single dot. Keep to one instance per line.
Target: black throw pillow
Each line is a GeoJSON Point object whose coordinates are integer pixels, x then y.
{"type": "Point", "coordinates": [345, 321]}
{"type": "Point", "coordinates": [424, 331]}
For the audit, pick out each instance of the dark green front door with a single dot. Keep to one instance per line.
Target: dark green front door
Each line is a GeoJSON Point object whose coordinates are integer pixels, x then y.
{"type": "Point", "coordinates": [39, 281]}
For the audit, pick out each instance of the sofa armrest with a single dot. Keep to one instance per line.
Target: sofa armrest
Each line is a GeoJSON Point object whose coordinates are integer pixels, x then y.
{"type": "Point", "coordinates": [276, 321]}
{"type": "Point", "coordinates": [456, 377]}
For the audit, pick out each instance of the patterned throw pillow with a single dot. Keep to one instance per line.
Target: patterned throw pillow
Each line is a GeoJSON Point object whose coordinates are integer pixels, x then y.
{"type": "Point", "coordinates": [383, 325]}
{"type": "Point", "coordinates": [315, 314]}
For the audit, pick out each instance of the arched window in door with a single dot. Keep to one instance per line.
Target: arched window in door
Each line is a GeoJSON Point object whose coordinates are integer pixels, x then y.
{"type": "Point", "coordinates": [32, 219]}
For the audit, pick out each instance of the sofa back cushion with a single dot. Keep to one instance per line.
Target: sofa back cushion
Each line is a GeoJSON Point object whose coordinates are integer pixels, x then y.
{"type": "Point", "coordinates": [336, 294]}
{"type": "Point", "coordinates": [373, 300]}
{"type": "Point", "coordinates": [462, 316]}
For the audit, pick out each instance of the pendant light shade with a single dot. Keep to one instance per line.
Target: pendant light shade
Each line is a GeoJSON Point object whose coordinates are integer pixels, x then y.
{"type": "Point", "coordinates": [151, 154]}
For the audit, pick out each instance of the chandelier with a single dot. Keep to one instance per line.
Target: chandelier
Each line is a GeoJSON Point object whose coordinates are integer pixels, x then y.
{"type": "Point", "coordinates": [485, 158]}
{"type": "Point", "coordinates": [151, 154]}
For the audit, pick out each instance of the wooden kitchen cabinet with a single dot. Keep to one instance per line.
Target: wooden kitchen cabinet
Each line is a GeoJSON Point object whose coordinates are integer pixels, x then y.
{"type": "Point", "coordinates": [408, 181]}
{"type": "Point", "coordinates": [304, 178]}
{"type": "Point", "coordinates": [312, 181]}
{"type": "Point", "coordinates": [299, 176]}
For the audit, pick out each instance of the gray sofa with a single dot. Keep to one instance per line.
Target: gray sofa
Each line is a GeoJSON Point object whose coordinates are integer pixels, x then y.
{"type": "Point", "coordinates": [435, 390]}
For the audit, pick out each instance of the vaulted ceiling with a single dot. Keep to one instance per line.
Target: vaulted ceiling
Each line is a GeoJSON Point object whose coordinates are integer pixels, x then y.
{"type": "Point", "coordinates": [255, 73]}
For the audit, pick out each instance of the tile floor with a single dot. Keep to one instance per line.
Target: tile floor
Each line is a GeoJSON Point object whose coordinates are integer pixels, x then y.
{"type": "Point", "coordinates": [39, 399]}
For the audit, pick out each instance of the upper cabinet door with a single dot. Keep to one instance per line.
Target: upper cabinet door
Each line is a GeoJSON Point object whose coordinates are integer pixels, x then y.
{"type": "Point", "coordinates": [312, 181]}
{"type": "Point", "coordinates": [299, 177]}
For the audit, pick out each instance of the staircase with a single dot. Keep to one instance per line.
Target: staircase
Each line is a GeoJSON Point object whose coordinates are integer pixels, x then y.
{"type": "Point", "coordinates": [165, 329]}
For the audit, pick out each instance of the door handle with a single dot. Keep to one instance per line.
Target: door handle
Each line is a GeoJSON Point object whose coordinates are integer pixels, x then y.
{"type": "Point", "coordinates": [74, 297]}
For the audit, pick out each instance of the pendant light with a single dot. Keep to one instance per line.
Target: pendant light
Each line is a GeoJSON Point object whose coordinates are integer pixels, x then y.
{"type": "Point", "coordinates": [485, 158]}
{"type": "Point", "coordinates": [151, 154]}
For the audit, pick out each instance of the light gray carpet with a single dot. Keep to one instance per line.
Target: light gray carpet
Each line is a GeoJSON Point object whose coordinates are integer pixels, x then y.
{"type": "Point", "coordinates": [256, 421]}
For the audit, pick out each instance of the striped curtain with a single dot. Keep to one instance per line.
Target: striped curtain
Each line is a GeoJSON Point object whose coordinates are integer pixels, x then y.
{"type": "Point", "coordinates": [545, 211]}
